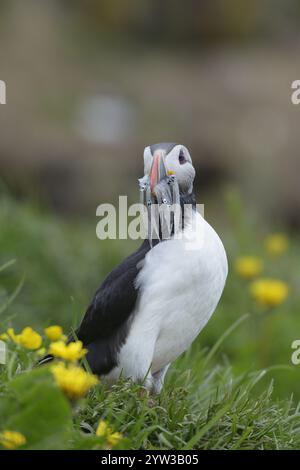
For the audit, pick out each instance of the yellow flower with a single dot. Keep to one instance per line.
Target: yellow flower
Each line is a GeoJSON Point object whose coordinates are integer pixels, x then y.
{"type": "Point", "coordinates": [249, 266]}
{"type": "Point", "coordinates": [114, 438]}
{"type": "Point", "coordinates": [276, 244]}
{"type": "Point", "coordinates": [70, 352]}
{"type": "Point", "coordinates": [73, 380]}
{"type": "Point", "coordinates": [12, 439]}
{"type": "Point", "coordinates": [4, 337]}
{"type": "Point", "coordinates": [54, 332]}
{"type": "Point", "coordinates": [103, 430]}
{"type": "Point", "coordinates": [269, 292]}
{"type": "Point", "coordinates": [28, 338]}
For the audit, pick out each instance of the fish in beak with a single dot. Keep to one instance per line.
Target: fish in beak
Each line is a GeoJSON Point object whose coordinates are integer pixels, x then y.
{"type": "Point", "coordinates": [159, 192]}
{"type": "Point", "coordinates": [158, 170]}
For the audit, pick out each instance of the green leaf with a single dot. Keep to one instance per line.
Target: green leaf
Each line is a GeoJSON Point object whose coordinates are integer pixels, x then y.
{"type": "Point", "coordinates": [38, 409]}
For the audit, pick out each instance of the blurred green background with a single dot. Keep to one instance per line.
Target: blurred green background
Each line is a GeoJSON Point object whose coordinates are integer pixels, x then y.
{"type": "Point", "coordinates": [89, 85]}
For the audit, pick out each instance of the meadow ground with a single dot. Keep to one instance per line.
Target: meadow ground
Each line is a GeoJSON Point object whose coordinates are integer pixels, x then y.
{"type": "Point", "coordinates": [236, 388]}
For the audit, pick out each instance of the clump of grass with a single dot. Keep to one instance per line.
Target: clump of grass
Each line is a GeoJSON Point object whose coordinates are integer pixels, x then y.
{"type": "Point", "coordinates": [218, 412]}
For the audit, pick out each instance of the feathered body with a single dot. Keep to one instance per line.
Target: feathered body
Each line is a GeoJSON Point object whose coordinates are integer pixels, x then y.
{"type": "Point", "coordinates": [152, 306]}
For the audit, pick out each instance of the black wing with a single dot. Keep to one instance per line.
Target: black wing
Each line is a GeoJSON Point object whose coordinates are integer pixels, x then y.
{"type": "Point", "coordinates": [105, 325]}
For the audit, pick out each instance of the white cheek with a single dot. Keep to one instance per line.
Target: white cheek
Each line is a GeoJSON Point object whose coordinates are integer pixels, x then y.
{"type": "Point", "coordinates": [184, 173]}
{"type": "Point", "coordinates": [185, 177]}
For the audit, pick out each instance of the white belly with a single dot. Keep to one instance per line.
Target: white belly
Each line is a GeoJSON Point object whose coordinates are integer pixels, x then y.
{"type": "Point", "coordinates": [180, 285]}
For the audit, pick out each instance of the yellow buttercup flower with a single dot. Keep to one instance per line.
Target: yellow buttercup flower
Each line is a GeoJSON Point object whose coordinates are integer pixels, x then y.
{"type": "Point", "coordinates": [74, 381]}
{"type": "Point", "coordinates": [276, 244]}
{"type": "Point", "coordinates": [70, 352]}
{"type": "Point", "coordinates": [4, 337]}
{"type": "Point", "coordinates": [28, 338]}
{"type": "Point", "coordinates": [54, 332]}
{"type": "Point", "coordinates": [269, 292]}
{"type": "Point", "coordinates": [103, 430]}
{"type": "Point", "coordinates": [12, 439]}
{"type": "Point", "coordinates": [114, 438]}
{"type": "Point", "coordinates": [249, 266]}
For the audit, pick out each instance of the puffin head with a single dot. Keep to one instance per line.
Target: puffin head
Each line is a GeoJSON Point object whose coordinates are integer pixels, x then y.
{"type": "Point", "coordinates": [167, 159]}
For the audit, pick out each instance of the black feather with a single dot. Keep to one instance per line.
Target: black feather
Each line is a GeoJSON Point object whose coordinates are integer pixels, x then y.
{"type": "Point", "coordinates": [105, 325]}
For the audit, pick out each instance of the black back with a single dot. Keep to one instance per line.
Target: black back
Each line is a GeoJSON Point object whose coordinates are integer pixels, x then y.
{"type": "Point", "coordinates": [167, 146]}
{"type": "Point", "coordinates": [105, 325]}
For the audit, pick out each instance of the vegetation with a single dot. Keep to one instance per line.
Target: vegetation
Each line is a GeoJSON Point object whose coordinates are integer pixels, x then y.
{"type": "Point", "coordinates": [236, 388]}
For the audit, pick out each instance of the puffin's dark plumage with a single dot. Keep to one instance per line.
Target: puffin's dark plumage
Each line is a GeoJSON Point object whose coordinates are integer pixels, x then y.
{"type": "Point", "coordinates": [105, 325]}
{"type": "Point", "coordinates": [164, 146]}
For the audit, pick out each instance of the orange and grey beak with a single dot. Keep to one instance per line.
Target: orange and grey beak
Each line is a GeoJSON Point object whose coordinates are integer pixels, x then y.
{"type": "Point", "coordinates": [158, 170]}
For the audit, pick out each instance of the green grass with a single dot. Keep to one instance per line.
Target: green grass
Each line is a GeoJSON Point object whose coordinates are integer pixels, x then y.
{"type": "Point", "coordinates": [234, 389]}
{"type": "Point", "coordinates": [200, 408]}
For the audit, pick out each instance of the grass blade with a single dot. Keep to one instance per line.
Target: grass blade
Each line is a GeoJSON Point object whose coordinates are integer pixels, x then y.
{"type": "Point", "coordinates": [13, 296]}
{"type": "Point", "coordinates": [190, 444]}
{"type": "Point", "coordinates": [223, 337]}
{"type": "Point", "coordinates": [7, 265]}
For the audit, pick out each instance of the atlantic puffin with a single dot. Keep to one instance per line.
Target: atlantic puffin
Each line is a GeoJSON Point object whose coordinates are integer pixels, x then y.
{"type": "Point", "coordinates": [152, 306]}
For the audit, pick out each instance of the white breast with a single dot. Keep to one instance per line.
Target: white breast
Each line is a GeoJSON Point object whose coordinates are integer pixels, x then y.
{"type": "Point", "coordinates": [180, 285]}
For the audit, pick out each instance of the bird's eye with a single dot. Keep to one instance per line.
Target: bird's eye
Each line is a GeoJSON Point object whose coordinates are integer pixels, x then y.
{"type": "Point", "coordinates": [181, 157]}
